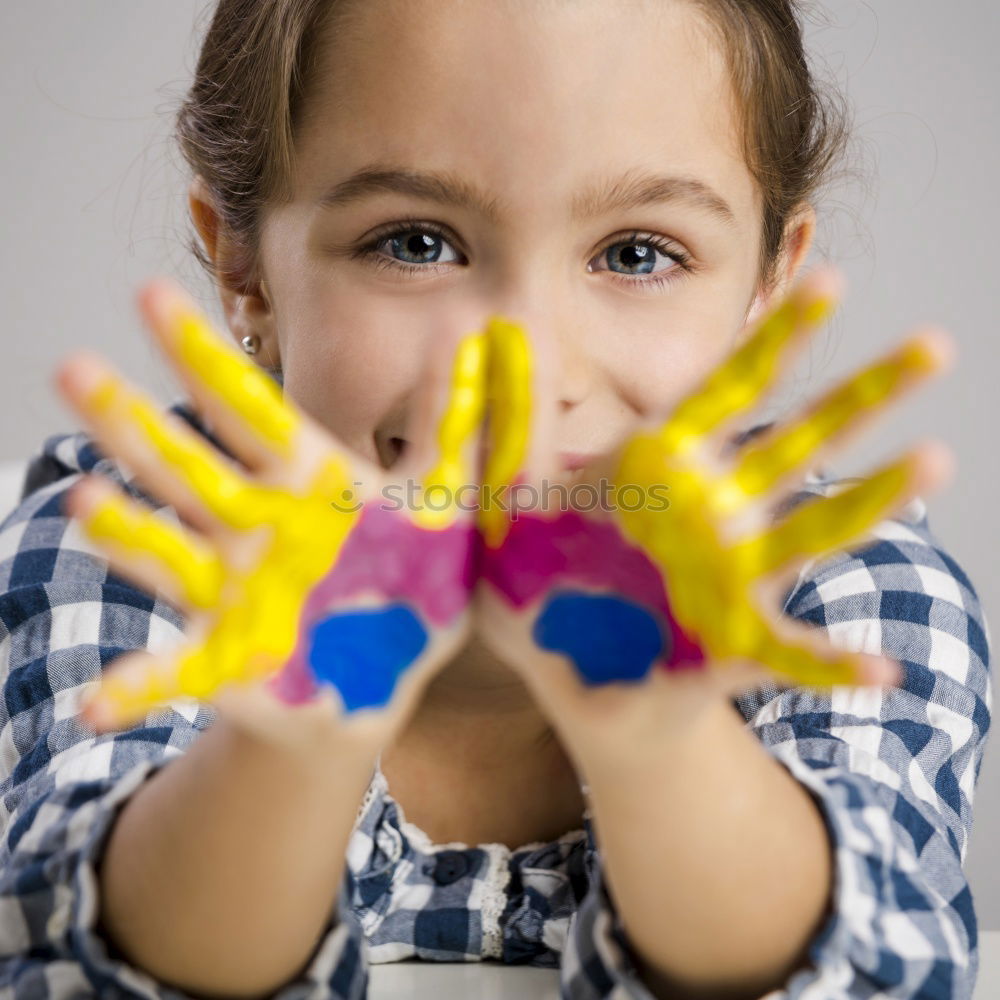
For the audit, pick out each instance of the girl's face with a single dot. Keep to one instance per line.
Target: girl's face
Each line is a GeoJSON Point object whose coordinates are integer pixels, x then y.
{"type": "Point", "coordinates": [572, 165]}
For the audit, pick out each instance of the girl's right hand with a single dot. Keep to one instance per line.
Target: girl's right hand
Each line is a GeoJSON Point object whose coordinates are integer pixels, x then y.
{"type": "Point", "coordinates": [312, 604]}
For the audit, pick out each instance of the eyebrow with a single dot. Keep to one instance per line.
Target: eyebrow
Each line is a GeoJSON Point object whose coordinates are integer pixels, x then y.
{"type": "Point", "coordinates": [633, 190]}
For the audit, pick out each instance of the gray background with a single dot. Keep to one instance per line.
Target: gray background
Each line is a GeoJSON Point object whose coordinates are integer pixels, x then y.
{"type": "Point", "coordinates": [94, 203]}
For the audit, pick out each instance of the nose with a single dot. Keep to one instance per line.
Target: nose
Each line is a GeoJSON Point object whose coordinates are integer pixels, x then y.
{"type": "Point", "coordinates": [565, 360]}
{"type": "Point", "coordinates": [575, 375]}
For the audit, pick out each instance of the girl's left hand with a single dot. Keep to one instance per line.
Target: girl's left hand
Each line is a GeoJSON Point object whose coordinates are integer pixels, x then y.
{"type": "Point", "coordinates": [668, 600]}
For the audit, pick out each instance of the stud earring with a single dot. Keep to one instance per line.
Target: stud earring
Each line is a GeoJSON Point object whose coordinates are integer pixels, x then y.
{"type": "Point", "coordinates": [251, 343]}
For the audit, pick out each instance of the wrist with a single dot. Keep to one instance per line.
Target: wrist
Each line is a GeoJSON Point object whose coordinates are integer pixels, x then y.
{"type": "Point", "coordinates": [298, 736]}
{"type": "Point", "coordinates": [630, 732]}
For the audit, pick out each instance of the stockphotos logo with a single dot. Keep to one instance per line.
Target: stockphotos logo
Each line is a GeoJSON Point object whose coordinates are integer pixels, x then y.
{"type": "Point", "coordinates": [514, 500]}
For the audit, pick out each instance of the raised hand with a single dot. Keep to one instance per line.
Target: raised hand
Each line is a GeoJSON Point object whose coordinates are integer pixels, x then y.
{"type": "Point", "coordinates": [303, 589]}
{"type": "Point", "coordinates": [685, 583]}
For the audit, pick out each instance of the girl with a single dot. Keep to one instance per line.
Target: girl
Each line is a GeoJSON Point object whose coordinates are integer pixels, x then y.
{"type": "Point", "coordinates": [370, 182]}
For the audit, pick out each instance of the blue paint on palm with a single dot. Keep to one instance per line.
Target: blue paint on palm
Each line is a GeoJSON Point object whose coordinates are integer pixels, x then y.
{"type": "Point", "coordinates": [363, 652]}
{"type": "Point", "coordinates": [608, 638]}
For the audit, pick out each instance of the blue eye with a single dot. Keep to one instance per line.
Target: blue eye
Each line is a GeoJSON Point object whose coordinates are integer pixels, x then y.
{"type": "Point", "coordinates": [417, 243]}
{"type": "Point", "coordinates": [410, 245]}
{"type": "Point", "coordinates": [420, 245]}
{"type": "Point", "coordinates": [639, 252]}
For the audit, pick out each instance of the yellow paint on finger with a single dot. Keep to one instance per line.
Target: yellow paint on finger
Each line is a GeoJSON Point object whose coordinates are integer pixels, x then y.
{"type": "Point", "coordinates": [762, 464]}
{"type": "Point", "coordinates": [460, 422]}
{"type": "Point", "coordinates": [509, 391]}
{"type": "Point", "coordinates": [237, 381]}
{"type": "Point", "coordinates": [741, 379]}
{"type": "Point", "coordinates": [193, 568]}
{"type": "Point", "coordinates": [128, 692]}
{"type": "Point", "coordinates": [801, 665]}
{"type": "Point", "coordinates": [819, 526]}
{"type": "Point", "coordinates": [225, 492]}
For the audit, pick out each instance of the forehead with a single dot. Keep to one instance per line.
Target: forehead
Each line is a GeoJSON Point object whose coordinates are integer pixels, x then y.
{"type": "Point", "coordinates": [530, 100]}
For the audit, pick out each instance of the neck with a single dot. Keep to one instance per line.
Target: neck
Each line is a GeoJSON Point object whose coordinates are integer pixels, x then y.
{"type": "Point", "coordinates": [484, 708]}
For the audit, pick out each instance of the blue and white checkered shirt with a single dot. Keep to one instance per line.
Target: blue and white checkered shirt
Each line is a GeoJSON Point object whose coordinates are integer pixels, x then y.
{"type": "Point", "coordinates": [893, 773]}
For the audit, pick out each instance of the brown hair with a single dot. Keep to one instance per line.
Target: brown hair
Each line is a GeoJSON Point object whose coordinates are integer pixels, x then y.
{"type": "Point", "coordinates": [237, 124]}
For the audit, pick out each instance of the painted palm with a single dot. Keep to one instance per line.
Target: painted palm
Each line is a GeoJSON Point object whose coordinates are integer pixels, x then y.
{"type": "Point", "coordinates": [683, 571]}
{"type": "Point", "coordinates": [313, 579]}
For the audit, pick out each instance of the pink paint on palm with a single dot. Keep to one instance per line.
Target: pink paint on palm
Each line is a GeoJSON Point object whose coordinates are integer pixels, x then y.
{"type": "Point", "coordinates": [540, 555]}
{"type": "Point", "coordinates": [390, 557]}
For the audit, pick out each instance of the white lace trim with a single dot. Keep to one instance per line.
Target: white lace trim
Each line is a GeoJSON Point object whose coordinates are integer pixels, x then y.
{"type": "Point", "coordinates": [494, 899]}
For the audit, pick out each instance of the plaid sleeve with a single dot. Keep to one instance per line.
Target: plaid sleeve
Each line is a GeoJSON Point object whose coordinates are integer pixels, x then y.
{"type": "Point", "coordinates": [63, 617]}
{"type": "Point", "coordinates": [893, 773]}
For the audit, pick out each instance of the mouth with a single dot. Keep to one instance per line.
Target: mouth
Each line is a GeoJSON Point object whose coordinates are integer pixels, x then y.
{"type": "Point", "coordinates": [569, 461]}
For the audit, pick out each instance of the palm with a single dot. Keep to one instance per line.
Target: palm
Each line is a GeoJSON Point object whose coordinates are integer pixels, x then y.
{"type": "Point", "coordinates": [691, 587]}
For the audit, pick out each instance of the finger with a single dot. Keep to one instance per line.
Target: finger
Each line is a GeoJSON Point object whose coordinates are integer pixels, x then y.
{"type": "Point", "coordinates": [521, 420]}
{"type": "Point", "coordinates": [803, 655]}
{"type": "Point", "coordinates": [759, 648]}
{"type": "Point", "coordinates": [241, 402]}
{"type": "Point", "coordinates": [130, 688]}
{"type": "Point", "coordinates": [840, 414]}
{"type": "Point", "coordinates": [738, 383]}
{"type": "Point", "coordinates": [825, 524]}
{"type": "Point", "coordinates": [446, 433]}
{"type": "Point", "coordinates": [166, 455]}
{"type": "Point", "coordinates": [510, 372]}
{"type": "Point", "coordinates": [139, 682]}
{"type": "Point", "coordinates": [146, 549]}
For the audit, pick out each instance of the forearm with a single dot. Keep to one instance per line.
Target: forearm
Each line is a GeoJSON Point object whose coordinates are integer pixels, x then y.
{"type": "Point", "coordinates": [717, 858]}
{"type": "Point", "coordinates": [222, 870]}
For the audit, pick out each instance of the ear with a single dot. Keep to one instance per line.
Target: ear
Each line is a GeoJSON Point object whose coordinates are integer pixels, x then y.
{"type": "Point", "coordinates": [799, 232]}
{"type": "Point", "coordinates": [246, 311]}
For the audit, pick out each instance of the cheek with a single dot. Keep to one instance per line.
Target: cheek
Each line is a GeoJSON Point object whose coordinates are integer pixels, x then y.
{"type": "Point", "coordinates": [656, 369]}
{"type": "Point", "coordinates": [349, 366]}
{"type": "Point", "coordinates": [654, 351]}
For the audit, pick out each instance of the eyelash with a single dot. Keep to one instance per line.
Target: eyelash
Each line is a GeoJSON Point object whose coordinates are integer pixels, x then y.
{"type": "Point", "coordinates": [369, 252]}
